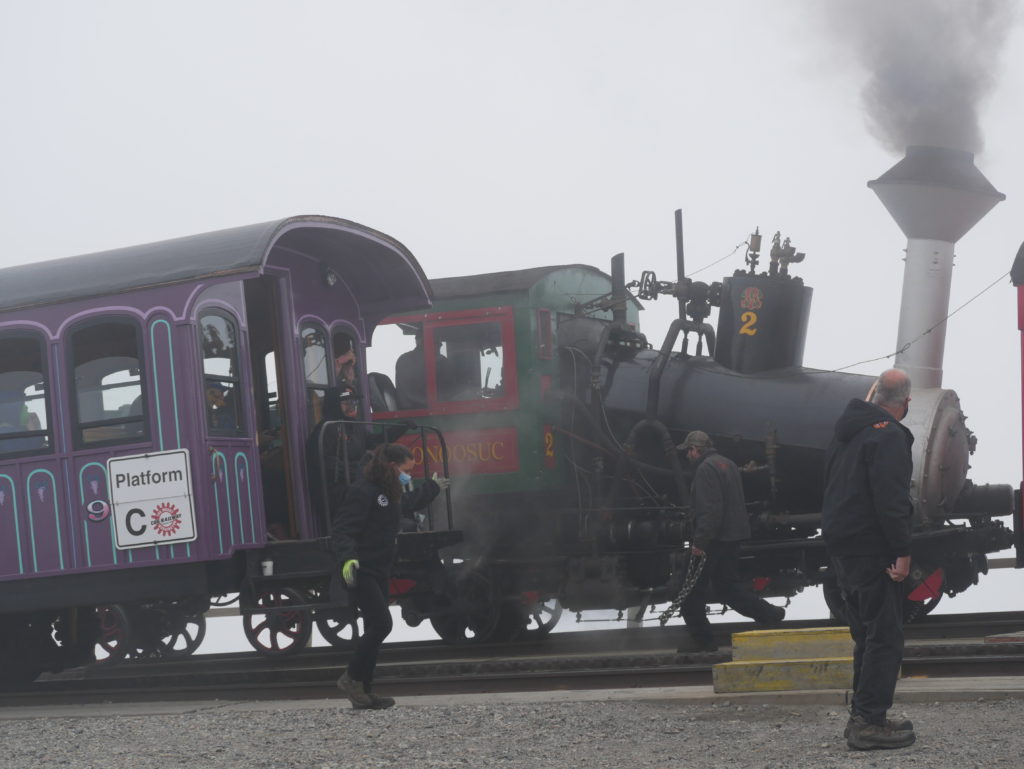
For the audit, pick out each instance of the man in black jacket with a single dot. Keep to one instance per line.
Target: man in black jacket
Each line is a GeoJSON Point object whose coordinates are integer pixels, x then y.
{"type": "Point", "coordinates": [720, 524]}
{"type": "Point", "coordinates": [866, 520]}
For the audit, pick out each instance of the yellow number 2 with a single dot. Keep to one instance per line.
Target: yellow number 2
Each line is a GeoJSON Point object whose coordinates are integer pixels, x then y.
{"type": "Point", "coordinates": [749, 320]}
{"type": "Point", "coordinates": [549, 443]}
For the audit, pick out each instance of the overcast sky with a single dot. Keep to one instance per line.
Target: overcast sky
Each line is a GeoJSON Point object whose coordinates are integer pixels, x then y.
{"type": "Point", "coordinates": [491, 135]}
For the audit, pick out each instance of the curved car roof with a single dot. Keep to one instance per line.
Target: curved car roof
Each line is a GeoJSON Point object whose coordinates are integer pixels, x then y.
{"type": "Point", "coordinates": [380, 271]}
{"type": "Point", "coordinates": [509, 281]}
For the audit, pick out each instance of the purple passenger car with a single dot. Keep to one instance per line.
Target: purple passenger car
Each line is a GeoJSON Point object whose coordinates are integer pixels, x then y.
{"type": "Point", "coordinates": [155, 403]}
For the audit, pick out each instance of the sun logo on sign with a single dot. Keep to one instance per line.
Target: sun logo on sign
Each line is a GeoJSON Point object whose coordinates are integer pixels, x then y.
{"type": "Point", "coordinates": [166, 519]}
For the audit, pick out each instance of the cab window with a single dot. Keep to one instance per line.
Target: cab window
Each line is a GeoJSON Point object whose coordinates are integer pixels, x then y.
{"type": "Point", "coordinates": [445, 363]}
{"type": "Point", "coordinates": [24, 395]}
{"type": "Point", "coordinates": [469, 362]}
{"type": "Point", "coordinates": [108, 393]}
{"type": "Point", "coordinates": [218, 340]}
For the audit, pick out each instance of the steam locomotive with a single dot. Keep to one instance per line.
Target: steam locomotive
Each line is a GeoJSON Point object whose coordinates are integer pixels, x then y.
{"type": "Point", "coordinates": [562, 420]}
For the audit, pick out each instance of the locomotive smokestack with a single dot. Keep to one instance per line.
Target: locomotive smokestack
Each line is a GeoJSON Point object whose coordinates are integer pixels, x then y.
{"type": "Point", "coordinates": [935, 195]}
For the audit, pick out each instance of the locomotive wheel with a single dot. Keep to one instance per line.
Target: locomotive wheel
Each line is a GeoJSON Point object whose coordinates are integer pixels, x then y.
{"type": "Point", "coordinates": [339, 627]}
{"type": "Point", "coordinates": [475, 614]}
{"type": "Point", "coordinates": [542, 617]}
{"type": "Point", "coordinates": [115, 634]}
{"type": "Point", "coordinates": [282, 632]}
{"type": "Point", "coordinates": [182, 633]}
{"type": "Point", "coordinates": [223, 600]}
{"type": "Point", "coordinates": [914, 610]}
{"type": "Point", "coordinates": [512, 621]}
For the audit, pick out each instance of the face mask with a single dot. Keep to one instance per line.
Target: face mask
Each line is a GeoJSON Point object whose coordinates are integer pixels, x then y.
{"type": "Point", "coordinates": [404, 478]}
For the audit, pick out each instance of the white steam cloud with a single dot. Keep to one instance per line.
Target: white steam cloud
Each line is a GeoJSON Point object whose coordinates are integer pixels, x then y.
{"type": "Point", "coordinates": [931, 64]}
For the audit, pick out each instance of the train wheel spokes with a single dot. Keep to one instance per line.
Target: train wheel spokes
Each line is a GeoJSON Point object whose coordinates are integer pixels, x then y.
{"type": "Point", "coordinates": [279, 632]}
{"type": "Point", "coordinates": [339, 627]}
{"type": "Point", "coordinates": [542, 617]}
{"type": "Point", "coordinates": [115, 634]}
{"type": "Point", "coordinates": [475, 612]}
{"type": "Point", "coordinates": [182, 633]}
{"type": "Point", "coordinates": [223, 600]}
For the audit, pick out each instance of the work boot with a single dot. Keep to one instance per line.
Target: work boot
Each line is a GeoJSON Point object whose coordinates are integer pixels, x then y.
{"type": "Point", "coordinates": [380, 703]}
{"type": "Point", "coordinates": [773, 616]}
{"type": "Point", "coordinates": [692, 644]}
{"type": "Point", "coordinates": [354, 691]}
{"type": "Point", "coordinates": [898, 725]}
{"type": "Point", "coordinates": [864, 736]}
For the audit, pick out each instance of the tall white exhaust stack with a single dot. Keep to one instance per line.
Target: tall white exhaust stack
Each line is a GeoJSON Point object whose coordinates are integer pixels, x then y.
{"type": "Point", "coordinates": [935, 195]}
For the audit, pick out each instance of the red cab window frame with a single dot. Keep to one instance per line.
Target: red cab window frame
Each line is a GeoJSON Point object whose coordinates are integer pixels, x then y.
{"type": "Point", "coordinates": [505, 318]}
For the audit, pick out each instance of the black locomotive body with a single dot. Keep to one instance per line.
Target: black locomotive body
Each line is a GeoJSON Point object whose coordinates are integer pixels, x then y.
{"type": "Point", "coordinates": [594, 510]}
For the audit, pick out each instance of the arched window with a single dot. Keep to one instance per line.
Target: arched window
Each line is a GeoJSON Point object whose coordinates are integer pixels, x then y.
{"type": "Point", "coordinates": [109, 395]}
{"type": "Point", "coordinates": [346, 359]}
{"type": "Point", "coordinates": [24, 395]}
{"type": "Point", "coordinates": [313, 340]}
{"type": "Point", "coordinates": [218, 340]}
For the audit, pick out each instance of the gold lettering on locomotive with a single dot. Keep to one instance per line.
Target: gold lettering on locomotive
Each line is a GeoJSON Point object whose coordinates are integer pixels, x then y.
{"type": "Point", "coordinates": [749, 321]}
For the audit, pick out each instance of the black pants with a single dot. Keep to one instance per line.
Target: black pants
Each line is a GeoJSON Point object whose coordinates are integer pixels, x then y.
{"type": "Point", "coordinates": [371, 594]}
{"type": "Point", "coordinates": [874, 609]}
{"type": "Point", "coordinates": [719, 573]}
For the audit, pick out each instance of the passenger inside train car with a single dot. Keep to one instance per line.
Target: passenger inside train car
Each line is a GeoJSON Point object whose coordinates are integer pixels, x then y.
{"type": "Point", "coordinates": [346, 361]}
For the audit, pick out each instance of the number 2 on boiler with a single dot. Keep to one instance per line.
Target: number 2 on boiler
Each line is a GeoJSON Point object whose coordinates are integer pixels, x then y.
{"type": "Point", "coordinates": [749, 321]}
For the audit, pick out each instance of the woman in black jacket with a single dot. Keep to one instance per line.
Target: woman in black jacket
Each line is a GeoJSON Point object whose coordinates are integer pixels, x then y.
{"type": "Point", "coordinates": [346, 444]}
{"type": "Point", "coordinates": [364, 540]}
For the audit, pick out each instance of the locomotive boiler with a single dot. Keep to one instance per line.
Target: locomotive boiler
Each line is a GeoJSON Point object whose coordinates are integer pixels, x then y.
{"type": "Point", "coordinates": [584, 496]}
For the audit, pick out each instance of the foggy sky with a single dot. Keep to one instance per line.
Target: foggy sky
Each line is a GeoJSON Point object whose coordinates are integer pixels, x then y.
{"type": "Point", "coordinates": [930, 64]}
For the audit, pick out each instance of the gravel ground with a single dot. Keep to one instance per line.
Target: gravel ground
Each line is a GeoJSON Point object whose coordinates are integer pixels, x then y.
{"type": "Point", "coordinates": [619, 735]}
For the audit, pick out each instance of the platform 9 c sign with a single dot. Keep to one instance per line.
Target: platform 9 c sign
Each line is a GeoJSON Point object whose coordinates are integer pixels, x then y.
{"type": "Point", "coordinates": [151, 499]}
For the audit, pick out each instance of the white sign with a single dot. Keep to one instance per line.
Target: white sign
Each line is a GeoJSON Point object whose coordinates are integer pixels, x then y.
{"type": "Point", "coordinates": [151, 499]}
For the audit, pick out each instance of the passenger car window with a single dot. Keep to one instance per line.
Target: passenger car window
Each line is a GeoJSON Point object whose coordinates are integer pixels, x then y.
{"type": "Point", "coordinates": [108, 386]}
{"type": "Point", "coordinates": [218, 336]}
{"type": "Point", "coordinates": [317, 371]}
{"type": "Point", "coordinates": [23, 395]}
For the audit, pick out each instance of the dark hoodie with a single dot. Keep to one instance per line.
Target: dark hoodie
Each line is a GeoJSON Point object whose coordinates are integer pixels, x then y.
{"type": "Point", "coordinates": [717, 499]}
{"type": "Point", "coordinates": [867, 508]}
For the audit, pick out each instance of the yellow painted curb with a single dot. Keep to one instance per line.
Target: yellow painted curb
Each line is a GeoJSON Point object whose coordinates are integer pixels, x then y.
{"type": "Point", "coordinates": [783, 675]}
{"type": "Point", "coordinates": [803, 643]}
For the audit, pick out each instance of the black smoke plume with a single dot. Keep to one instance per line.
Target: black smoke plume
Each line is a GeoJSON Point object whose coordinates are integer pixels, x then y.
{"type": "Point", "coordinates": [931, 65]}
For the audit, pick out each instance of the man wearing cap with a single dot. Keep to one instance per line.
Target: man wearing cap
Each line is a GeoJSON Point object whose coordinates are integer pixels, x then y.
{"type": "Point", "coordinates": [720, 524]}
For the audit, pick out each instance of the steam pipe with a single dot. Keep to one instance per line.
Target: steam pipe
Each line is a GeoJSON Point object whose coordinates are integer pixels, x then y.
{"type": "Point", "coordinates": [680, 264]}
{"type": "Point", "coordinates": [619, 289]}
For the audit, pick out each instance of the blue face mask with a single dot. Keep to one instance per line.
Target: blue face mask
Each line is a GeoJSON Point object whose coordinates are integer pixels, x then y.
{"type": "Point", "coordinates": [404, 478]}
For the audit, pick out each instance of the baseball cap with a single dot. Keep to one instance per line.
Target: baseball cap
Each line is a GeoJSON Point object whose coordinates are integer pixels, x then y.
{"type": "Point", "coordinates": [696, 439]}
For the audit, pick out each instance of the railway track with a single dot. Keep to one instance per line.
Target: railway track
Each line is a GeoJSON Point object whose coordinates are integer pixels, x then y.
{"type": "Point", "coordinates": [950, 645]}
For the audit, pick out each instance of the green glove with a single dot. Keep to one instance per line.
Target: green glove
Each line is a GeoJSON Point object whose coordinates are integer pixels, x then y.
{"type": "Point", "coordinates": [348, 572]}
